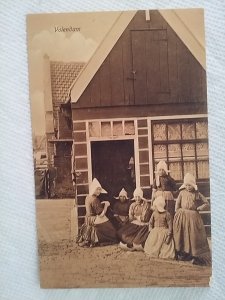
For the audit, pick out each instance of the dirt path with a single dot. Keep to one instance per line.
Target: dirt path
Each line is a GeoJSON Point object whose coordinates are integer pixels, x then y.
{"type": "Point", "coordinates": [65, 265]}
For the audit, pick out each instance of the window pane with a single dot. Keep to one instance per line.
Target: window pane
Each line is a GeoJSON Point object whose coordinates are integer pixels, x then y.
{"type": "Point", "coordinates": [174, 151]}
{"type": "Point", "coordinates": [203, 169]}
{"type": "Point", "coordinates": [117, 128]}
{"type": "Point", "coordinates": [106, 128]}
{"type": "Point", "coordinates": [94, 129]}
{"type": "Point", "coordinates": [159, 132]}
{"type": "Point", "coordinates": [202, 130]}
{"type": "Point", "coordinates": [202, 149]}
{"type": "Point", "coordinates": [129, 127]}
{"type": "Point", "coordinates": [176, 170]}
{"type": "Point", "coordinates": [190, 167]}
{"type": "Point", "coordinates": [160, 151]}
{"type": "Point", "coordinates": [188, 131]}
{"type": "Point", "coordinates": [174, 132]}
{"type": "Point", "coordinates": [188, 150]}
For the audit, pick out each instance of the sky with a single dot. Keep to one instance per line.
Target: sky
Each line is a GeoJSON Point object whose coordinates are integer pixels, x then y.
{"type": "Point", "coordinates": [76, 46]}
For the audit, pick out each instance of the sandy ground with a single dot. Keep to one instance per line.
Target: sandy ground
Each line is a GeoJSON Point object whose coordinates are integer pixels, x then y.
{"type": "Point", "coordinates": [65, 265]}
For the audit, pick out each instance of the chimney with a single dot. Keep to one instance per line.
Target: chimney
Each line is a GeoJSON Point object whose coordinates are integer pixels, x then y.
{"type": "Point", "coordinates": [49, 120]}
{"type": "Point", "coordinates": [48, 97]}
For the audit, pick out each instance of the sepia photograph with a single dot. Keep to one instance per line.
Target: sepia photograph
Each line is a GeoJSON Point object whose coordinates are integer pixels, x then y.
{"type": "Point", "coordinates": [120, 146]}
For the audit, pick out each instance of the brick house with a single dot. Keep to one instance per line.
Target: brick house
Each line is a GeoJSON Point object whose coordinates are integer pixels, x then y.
{"type": "Point", "coordinates": [141, 98]}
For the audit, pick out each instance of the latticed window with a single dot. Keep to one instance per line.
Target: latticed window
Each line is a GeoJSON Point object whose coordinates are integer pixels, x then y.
{"type": "Point", "coordinates": [111, 128]}
{"type": "Point", "coordinates": [183, 144]}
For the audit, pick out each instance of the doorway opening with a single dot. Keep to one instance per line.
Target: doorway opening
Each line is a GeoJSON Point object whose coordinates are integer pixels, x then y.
{"type": "Point", "coordinates": [113, 165]}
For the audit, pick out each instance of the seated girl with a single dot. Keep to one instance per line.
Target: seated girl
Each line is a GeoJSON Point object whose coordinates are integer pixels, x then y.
{"type": "Point", "coordinates": [97, 229]}
{"type": "Point", "coordinates": [134, 234]}
{"type": "Point", "coordinates": [159, 243]}
{"type": "Point", "coordinates": [121, 208]}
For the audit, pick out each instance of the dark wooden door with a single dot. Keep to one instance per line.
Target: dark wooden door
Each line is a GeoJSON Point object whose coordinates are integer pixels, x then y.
{"type": "Point", "coordinates": [110, 165]}
{"type": "Point", "coordinates": [150, 65]}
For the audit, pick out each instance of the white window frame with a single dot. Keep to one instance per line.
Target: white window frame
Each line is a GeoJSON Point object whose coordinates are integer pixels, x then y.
{"type": "Point", "coordinates": [133, 137]}
{"type": "Point", "coordinates": [161, 118]}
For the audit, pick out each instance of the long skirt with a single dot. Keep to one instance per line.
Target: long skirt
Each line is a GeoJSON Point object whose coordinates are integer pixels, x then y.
{"type": "Point", "coordinates": [87, 232]}
{"type": "Point", "coordinates": [106, 233]}
{"type": "Point", "coordinates": [103, 233]}
{"type": "Point", "coordinates": [133, 234]}
{"type": "Point", "coordinates": [189, 235]}
{"type": "Point", "coordinates": [156, 246]}
{"type": "Point", "coordinates": [169, 199]}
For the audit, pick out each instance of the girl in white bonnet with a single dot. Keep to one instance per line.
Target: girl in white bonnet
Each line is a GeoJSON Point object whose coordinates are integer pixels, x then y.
{"type": "Point", "coordinates": [188, 228]}
{"type": "Point", "coordinates": [164, 185]}
{"type": "Point", "coordinates": [97, 229]}
{"type": "Point", "coordinates": [159, 243]}
{"type": "Point", "coordinates": [121, 208]}
{"type": "Point", "coordinates": [134, 233]}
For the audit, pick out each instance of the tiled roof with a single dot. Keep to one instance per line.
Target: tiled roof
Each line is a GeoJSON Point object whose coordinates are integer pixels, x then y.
{"type": "Point", "coordinates": [63, 75]}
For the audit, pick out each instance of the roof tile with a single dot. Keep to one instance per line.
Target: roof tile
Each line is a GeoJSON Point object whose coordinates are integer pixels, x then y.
{"type": "Point", "coordinates": [63, 75]}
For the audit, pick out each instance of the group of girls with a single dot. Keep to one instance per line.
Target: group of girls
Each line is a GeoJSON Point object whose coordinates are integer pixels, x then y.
{"type": "Point", "coordinates": [161, 227]}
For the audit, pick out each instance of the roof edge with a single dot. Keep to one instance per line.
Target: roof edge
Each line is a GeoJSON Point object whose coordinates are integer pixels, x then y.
{"type": "Point", "coordinates": [186, 35]}
{"type": "Point", "coordinates": [100, 54]}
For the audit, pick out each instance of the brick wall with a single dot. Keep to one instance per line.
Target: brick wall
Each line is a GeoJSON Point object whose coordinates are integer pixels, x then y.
{"type": "Point", "coordinates": [64, 127]}
{"type": "Point", "coordinates": [62, 162]}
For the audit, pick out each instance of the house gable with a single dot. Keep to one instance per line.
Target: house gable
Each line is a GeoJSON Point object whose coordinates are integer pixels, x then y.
{"type": "Point", "coordinates": [148, 65]}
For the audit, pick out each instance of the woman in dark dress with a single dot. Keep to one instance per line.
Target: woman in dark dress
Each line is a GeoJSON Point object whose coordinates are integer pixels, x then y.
{"type": "Point", "coordinates": [134, 234]}
{"type": "Point", "coordinates": [97, 229]}
{"type": "Point", "coordinates": [121, 208]}
{"type": "Point", "coordinates": [164, 185]}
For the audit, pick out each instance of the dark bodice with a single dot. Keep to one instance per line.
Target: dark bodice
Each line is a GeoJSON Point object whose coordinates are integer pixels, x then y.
{"type": "Point", "coordinates": [166, 183]}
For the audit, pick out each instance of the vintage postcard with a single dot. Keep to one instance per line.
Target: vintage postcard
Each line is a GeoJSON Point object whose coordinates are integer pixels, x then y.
{"type": "Point", "coordinates": [120, 143]}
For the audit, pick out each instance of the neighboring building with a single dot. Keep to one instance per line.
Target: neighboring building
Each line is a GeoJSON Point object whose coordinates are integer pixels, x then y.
{"type": "Point", "coordinates": [58, 78]}
{"type": "Point", "coordinates": [40, 167]}
{"type": "Point", "coordinates": [140, 99]}
{"type": "Point", "coordinates": [40, 159]}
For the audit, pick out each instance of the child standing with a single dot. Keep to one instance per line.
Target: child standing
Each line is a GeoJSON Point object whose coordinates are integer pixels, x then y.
{"type": "Point", "coordinates": [164, 185]}
{"type": "Point", "coordinates": [159, 243]}
{"type": "Point", "coordinates": [189, 232]}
